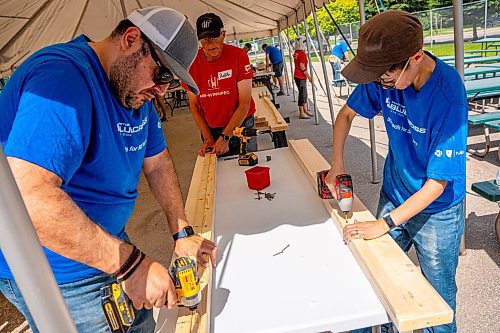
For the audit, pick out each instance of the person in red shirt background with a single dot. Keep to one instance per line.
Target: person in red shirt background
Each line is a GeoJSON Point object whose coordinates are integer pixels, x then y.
{"type": "Point", "coordinates": [224, 76]}
{"type": "Point", "coordinates": [300, 75]}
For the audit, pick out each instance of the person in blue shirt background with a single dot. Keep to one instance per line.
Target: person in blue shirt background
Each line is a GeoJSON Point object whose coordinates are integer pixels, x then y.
{"type": "Point", "coordinates": [274, 58]}
{"type": "Point", "coordinates": [338, 57]}
{"type": "Point", "coordinates": [78, 127]}
{"type": "Point", "coordinates": [423, 102]}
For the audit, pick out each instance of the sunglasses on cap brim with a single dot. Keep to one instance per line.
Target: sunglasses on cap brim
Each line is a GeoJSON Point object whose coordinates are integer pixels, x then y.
{"type": "Point", "coordinates": [165, 75]}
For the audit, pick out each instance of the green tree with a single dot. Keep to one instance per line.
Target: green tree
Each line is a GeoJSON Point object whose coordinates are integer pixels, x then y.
{"type": "Point", "coordinates": [373, 7]}
{"type": "Point", "coordinates": [343, 11]}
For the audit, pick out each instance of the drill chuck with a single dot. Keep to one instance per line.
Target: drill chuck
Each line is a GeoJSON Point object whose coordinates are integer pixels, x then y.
{"type": "Point", "coordinates": [345, 192]}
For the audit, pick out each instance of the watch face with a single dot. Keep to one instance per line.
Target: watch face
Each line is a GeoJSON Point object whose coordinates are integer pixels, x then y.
{"type": "Point", "coordinates": [225, 137]}
{"type": "Point", "coordinates": [189, 230]}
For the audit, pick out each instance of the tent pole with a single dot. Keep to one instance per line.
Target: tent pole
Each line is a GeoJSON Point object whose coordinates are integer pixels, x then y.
{"type": "Point", "coordinates": [280, 42]}
{"type": "Point", "coordinates": [21, 248]}
{"type": "Point", "coordinates": [323, 65]}
{"type": "Point", "coordinates": [311, 69]}
{"type": "Point", "coordinates": [297, 23]}
{"type": "Point", "coordinates": [289, 45]}
{"type": "Point", "coordinates": [458, 35]}
{"type": "Point", "coordinates": [371, 122]}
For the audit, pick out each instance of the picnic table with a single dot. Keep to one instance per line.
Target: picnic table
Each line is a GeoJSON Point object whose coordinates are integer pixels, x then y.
{"type": "Point", "coordinates": [452, 57]}
{"type": "Point", "coordinates": [475, 60]}
{"type": "Point", "coordinates": [490, 190]}
{"type": "Point", "coordinates": [483, 88]}
{"type": "Point", "coordinates": [481, 72]}
{"type": "Point", "coordinates": [487, 42]}
{"type": "Point", "coordinates": [485, 52]}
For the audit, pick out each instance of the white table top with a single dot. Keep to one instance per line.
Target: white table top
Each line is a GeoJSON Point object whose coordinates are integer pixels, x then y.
{"type": "Point", "coordinates": [314, 285]}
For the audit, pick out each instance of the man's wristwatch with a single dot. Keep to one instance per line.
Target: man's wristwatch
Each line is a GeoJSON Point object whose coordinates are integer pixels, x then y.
{"type": "Point", "coordinates": [225, 137]}
{"type": "Point", "coordinates": [186, 232]}
{"type": "Point", "coordinates": [388, 219]}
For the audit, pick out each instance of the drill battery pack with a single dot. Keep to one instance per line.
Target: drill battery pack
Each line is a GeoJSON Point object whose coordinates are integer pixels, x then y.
{"type": "Point", "coordinates": [323, 190]}
{"type": "Point", "coordinates": [117, 308]}
{"type": "Point", "coordinates": [248, 159]}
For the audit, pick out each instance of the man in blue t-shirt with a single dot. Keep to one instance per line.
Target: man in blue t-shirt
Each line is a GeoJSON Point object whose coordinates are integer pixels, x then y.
{"type": "Point", "coordinates": [274, 58]}
{"type": "Point", "coordinates": [78, 127]}
{"type": "Point", "coordinates": [338, 56]}
{"type": "Point", "coordinates": [423, 102]}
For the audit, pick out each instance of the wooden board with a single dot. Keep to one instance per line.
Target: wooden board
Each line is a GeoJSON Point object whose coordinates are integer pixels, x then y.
{"type": "Point", "coordinates": [407, 296]}
{"type": "Point", "coordinates": [200, 205]}
{"type": "Point", "coordinates": [266, 115]}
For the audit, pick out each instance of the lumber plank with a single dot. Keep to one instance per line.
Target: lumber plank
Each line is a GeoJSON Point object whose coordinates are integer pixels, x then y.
{"type": "Point", "coordinates": [407, 296]}
{"type": "Point", "coordinates": [200, 213]}
{"type": "Point", "coordinates": [266, 112]}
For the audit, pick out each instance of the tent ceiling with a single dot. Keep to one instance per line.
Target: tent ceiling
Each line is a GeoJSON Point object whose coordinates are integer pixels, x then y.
{"type": "Point", "coordinates": [28, 25]}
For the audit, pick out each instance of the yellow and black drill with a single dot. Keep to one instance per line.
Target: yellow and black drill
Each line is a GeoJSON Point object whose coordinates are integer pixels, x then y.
{"type": "Point", "coordinates": [245, 134]}
{"type": "Point", "coordinates": [119, 309]}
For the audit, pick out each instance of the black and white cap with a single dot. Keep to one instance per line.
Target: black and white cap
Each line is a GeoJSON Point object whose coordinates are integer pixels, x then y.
{"type": "Point", "coordinates": [174, 36]}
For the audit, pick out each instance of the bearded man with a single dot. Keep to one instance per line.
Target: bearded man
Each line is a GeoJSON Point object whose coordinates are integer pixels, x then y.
{"type": "Point", "coordinates": [77, 127]}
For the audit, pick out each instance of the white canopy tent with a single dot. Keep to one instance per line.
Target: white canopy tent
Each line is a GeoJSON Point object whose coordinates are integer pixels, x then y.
{"type": "Point", "coordinates": [28, 25]}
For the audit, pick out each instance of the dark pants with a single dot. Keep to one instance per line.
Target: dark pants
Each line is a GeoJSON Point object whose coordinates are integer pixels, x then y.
{"type": "Point", "coordinates": [234, 142]}
{"type": "Point", "coordinates": [302, 87]}
{"type": "Point", "coordinates": [278, 69]}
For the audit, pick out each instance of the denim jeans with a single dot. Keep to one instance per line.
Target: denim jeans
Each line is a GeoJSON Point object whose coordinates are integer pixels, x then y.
{"type": "Point", "coordinates": [84, 302]}
{"type": "Point", "coordinates": [436, 238]}
{"type": "Point", "coordinates": [336, 66]}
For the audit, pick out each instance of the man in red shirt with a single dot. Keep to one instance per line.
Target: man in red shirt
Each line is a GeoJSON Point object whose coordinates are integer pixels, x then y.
{"type": "Point", "coordinates": [224, 77]}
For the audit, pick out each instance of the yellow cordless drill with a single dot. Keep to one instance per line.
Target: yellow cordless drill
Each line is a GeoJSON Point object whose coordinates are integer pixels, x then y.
{"type": "Point", "coordinates": [245, 134]}
{"type": "Point", "coordinates": [119, 310]}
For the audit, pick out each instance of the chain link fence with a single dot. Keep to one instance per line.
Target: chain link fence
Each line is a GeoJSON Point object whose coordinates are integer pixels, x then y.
{"type": "Point", "coordinates": [481, 19]}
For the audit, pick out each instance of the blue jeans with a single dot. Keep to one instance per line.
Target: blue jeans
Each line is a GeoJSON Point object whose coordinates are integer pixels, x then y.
{"type": "Point", "coordinates": [336, 66]}
{"type": "Point", "coordinates": [84, 302]}
{"type": "Point", "coordinates": [436, 238]}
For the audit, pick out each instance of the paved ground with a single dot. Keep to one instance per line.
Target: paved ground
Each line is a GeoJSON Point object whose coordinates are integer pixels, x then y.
{"type": "Point", "coordinates": [478, 272]}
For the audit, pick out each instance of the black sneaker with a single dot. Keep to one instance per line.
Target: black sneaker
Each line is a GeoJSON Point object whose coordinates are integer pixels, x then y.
{"type": "Point", "coordinates": [280, 93]}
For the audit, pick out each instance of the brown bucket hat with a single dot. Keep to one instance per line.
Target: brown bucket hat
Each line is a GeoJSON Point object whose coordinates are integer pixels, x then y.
{"type": "Point", "coordinates": [384, 40]}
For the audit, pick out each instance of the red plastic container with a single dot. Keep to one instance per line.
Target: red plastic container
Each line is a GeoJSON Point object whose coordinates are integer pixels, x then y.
{"type": "Point", "coordinates": [258, 178]}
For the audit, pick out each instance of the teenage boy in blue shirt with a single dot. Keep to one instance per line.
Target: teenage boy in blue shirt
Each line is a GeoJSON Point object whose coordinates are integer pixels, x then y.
{"type": "Point", "coordinates": [423, 102]}
{"type": "Point", "coordinates": [78, 128]}
{"type": "Point", "coordinates": [275, 58]}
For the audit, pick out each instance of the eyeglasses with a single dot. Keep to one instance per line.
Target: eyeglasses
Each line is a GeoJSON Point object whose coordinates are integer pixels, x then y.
{"type": "Point", "coordinates": [165, 75]}
{"type": "Point", "coordinates": [389, 85]}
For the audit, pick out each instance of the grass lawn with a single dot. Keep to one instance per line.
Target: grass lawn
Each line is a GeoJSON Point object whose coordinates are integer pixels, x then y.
{"type": "Point", "coordinates": [439, 50]}
{"type": "Point", "coordinates": [448, 48]}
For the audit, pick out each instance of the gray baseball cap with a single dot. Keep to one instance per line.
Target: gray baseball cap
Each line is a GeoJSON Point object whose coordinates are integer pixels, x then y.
{"type": "Point", "coordinates": [173, 35]}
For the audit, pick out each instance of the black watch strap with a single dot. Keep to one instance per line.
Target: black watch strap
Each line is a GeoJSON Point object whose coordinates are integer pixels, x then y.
{"type": "Point", "coordinates": [186, 232]}
{"type": "Point", "coordinates": [388, 219]}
